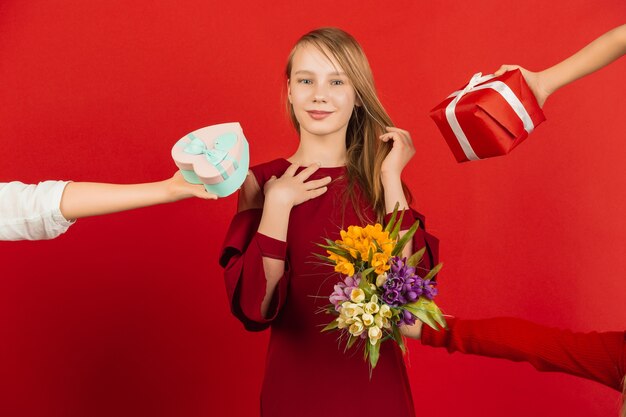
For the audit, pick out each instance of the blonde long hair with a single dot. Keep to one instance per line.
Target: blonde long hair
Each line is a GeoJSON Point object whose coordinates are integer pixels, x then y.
{"type": "Point", "coordinates": [365, 152]}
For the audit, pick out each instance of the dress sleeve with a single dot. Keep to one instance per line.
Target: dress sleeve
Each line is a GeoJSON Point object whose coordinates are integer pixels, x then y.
{"type": "Point", "coordinates": [242, 260]}
{"type": "Point", "coordinates": [421, 238]}
{"type": "Point", "coordinates": [32, 212]}
{"type": "Point", "coordinates": [598, 356]}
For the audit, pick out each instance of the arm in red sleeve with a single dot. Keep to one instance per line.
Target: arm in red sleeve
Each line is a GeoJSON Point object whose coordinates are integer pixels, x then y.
{"type": "Point", "coordinates": [242, 260]}
{"type": "Point", "coordinates": [599, 356]}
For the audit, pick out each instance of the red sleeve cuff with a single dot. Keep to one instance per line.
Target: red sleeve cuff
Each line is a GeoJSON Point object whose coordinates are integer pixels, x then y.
{"type": "Point", "coordinates": [438, 338]}
{"type": "Point", "coordinates": [270, 247]}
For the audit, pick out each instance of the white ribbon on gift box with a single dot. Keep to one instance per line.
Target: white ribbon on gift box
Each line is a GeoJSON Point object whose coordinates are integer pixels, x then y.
{"type": "Point", "coordinates": [499, 87]}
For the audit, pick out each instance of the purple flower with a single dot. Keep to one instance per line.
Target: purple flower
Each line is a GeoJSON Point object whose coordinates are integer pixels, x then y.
{"type": "Point", "coordinates": [430, 289]}
{"type": "Point", "coordinates": [391, 297]}
{"type": "Point", "coordinates": [343, 290]}
{"type": "Point", "coordinates": [407, 318]}
{"type": "Point", "coordinates": [404, 286]}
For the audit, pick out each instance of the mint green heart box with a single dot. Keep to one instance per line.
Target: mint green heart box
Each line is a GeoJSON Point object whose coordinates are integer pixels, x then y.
{"type": "Point", "coordinates": [216, 156]}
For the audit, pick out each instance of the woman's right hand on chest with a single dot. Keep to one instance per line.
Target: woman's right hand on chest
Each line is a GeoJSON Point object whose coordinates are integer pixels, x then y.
{"type": "Point", "coordinates": [291, 189]}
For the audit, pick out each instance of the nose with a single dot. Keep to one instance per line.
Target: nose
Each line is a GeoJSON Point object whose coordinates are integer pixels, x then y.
{"type": "Point", "coordinates": [320, 95]}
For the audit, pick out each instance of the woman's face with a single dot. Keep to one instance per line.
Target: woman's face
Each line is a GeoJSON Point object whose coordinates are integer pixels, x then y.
{"type": "Point", "coordinates": [321, 94]}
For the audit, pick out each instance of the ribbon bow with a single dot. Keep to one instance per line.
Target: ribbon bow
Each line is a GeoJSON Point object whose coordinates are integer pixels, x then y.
{"type": "Point", "coordinates": [499, 87]}
{"type": "Point", "coordinates": [216, 155]}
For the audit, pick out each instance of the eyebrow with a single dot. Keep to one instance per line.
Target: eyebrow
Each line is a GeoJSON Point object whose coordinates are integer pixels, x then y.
{"type": "Point", "coordinates": [311, 72]}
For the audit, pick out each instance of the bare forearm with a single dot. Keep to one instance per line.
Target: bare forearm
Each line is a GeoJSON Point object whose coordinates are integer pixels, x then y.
{"type": "Point", "coordinates": [599, 53]}
{"type": "Point", "coordinates": [274, 223]}
{"type": "Point", "coordinates": [84, 199]}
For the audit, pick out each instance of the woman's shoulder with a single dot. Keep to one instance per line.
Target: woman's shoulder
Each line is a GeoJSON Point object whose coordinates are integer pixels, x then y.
{"type": "Point", "coordinates": [264, 171]}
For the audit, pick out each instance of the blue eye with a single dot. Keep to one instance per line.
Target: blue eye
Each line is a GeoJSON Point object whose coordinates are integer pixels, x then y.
{"type": "Point", "coordinates": [305, 81]}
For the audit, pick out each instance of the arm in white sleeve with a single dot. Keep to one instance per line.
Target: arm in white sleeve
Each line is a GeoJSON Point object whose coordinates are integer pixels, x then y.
{"type": "Point", "coordinates": [32, 212]}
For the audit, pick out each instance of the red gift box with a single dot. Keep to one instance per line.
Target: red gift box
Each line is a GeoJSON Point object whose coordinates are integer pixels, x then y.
{"type": "Point", "coordinates": [489, 117]}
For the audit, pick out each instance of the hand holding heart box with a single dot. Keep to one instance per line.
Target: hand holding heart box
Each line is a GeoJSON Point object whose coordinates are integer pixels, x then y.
{"type": "Point", "coordinates": [489, 117]}
{"type": "Point", "coordinates": [216, 156]}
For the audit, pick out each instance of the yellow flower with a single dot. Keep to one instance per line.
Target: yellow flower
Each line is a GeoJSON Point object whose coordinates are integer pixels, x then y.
{"type": "Point", "coordinates": [368, 319]}
{"type": "Point", "coordinates": [380, 262]}
{"type": "Point", "coordinates": [374, 334]}
{"type": "Point", "coordinates": [357, 295]}
{"type": "Point", "coordinates": [346, 268]}
{"type": "Point", "coordinates": [356, 328]}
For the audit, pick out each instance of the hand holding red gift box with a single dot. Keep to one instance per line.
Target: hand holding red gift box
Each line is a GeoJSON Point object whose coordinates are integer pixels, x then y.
{"type": "Point", "coordinates": [489, 117]}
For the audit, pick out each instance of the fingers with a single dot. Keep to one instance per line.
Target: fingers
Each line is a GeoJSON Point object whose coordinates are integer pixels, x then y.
{"type": "Point", "coordinates": [204, 194]}
{"type": "Point", "coordinates": [505, 68]}
{"type": "Point", "coordinates": [315, 193]}
{"type": "Point", "coordinates": [306, 173]}
{"type": "Point", "coordinates": [291, 171]}
{"type": "Point", "coordinates": [315, 184]}
{"type": "Point", "coordinates": [399, 136]}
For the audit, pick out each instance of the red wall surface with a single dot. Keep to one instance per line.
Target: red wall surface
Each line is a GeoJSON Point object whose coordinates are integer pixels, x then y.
{"type": "Point", "coordinates": [126, 314]}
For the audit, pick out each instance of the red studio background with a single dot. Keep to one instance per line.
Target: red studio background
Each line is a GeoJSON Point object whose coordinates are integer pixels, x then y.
{"type": "Point", "coordinates": [126, 314]}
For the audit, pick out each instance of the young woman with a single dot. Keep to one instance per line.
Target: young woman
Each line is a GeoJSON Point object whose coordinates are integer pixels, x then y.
{"type": "Point", "coordinates": [48, 209]}
{"type": "Point", "coordinates": [353, 158]}
{"type": "Point", "coordinates": [598, 356]}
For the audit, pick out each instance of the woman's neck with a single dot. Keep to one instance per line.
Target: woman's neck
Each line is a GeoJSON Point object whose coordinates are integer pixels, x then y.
{"type": "Point", "coordinates": [329, 151]}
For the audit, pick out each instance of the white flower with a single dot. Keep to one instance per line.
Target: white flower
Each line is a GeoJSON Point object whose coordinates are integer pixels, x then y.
{"type": "Point", "coordinates": [379, 320]}
{"type": "Point", "coordinates": [368, 319]}
{"type": "Point", "coordinates": [372, 307]}
{"type": "Point", "coordinates": [357, 295]}
{"type": "Point", "coordinates": [385, 311]}
{"type": "Point", "coordinates": [374, 334]}
{"type": "Point", "coordinates": [356, 328]}
{"type": "Point", "coordinates": [350, 310]}
{"type": "Point", "coordinates": [381, 279]}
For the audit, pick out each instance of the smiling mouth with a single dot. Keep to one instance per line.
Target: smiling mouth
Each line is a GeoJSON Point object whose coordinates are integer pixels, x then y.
{"type": "Point", "coordinates": [318, 114]}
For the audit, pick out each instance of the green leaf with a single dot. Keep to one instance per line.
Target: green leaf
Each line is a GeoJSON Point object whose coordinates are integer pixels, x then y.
{"type": "Point", "coordinates": [440, 319]}
{"type": "Point", "coordinates": [338, 251]}
{"type": "Point", "coordinates": [416, 258]}
{"type": "Point", "coordinates": [389, 226]}
{"type": "Point", "coordinates": [397, 226]}
{"type": "Point", "coordinates": [405, 239]}
{"type": "Point", "coordinates": [431, 274]}
{"type": "Point", "coordinates": [397, 336]}
{"type": "Point", "coordinates": [374, 353]}
{"type": "Point", "coordinates": [426, 318]}
{"type": "Point", "coordinates": [370, 256]}
{"type": "Point", "coordinates": [366, 272]}
{"type": "Point", "coordinates": [324, 258]}
{"type": "Point", "coordinates": [351, 341]}
{"type": "Point", "coordinates": [330, 326]}
{"type": "Point", "coordinates": [428, 312]}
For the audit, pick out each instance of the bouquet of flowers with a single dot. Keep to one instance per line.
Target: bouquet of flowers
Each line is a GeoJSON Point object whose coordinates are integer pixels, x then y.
{"type": "Point", "coordinates": [381, 291]}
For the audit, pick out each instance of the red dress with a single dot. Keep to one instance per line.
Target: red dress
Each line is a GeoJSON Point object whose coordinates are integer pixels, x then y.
{"type": "Point", "coordinates": [597, 356]}
{"type": "Point", "coordinates": [307, 372]}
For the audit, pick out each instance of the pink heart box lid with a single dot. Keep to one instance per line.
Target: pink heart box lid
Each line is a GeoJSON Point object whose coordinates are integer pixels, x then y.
{"type": "Point", "coordinates": [205, 171]}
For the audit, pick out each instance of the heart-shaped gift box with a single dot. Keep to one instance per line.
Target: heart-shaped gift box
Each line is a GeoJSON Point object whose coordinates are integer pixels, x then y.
{"type": "Point", "coordinates": [216, 156]}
